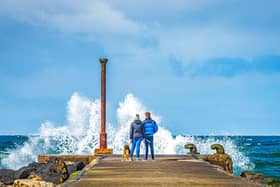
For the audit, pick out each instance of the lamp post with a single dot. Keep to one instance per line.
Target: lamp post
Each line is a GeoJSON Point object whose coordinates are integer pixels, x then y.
{"type": "Point", "coordinates": [103, 136]}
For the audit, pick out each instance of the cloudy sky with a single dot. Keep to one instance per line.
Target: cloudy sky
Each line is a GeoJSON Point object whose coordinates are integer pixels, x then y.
{"type": "Point", "coordinates": [204, 66]}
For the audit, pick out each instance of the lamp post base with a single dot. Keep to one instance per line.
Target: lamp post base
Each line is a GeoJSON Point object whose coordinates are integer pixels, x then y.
{"type": "Point", "coordinates": [103, 151]}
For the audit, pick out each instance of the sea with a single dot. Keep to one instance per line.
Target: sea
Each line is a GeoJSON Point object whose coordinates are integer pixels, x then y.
{"type": "Point", "coordinates": [80, 135]}
{"type": "Point", "coordinates": [262, 153]}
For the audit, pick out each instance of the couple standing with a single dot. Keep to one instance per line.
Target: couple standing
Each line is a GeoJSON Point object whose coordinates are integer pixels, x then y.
{"type": "Point", "coordinates": [143, 130]}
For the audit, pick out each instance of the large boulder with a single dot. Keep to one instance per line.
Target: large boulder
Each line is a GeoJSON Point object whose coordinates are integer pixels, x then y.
{"type": "Point", "coordinates": [76, 166]}
{"type": "Point", "coordinates": [259, 178]}
{"type": "Point", "coordinates": [32, 183]}
{"type": "Point", "coordinates": [252, 176]}
{"type": "Point", "coordinates": [54, 171]}
{"type": "Point", "coordinates": [7, 176]}
{"type": "Point", "coordinates": [24, 172]}
{"type": "Point", "coordinates": [220, 158]}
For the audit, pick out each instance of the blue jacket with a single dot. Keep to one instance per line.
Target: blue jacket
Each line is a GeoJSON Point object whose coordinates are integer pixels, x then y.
{"type": "Point", "coordinates": [150, 126]}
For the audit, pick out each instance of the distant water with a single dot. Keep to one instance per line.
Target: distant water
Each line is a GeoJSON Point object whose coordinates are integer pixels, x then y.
{"type": "Point", "coordinates": [8, 143]}
{"type": "Point", "coordinates": [263, 152]}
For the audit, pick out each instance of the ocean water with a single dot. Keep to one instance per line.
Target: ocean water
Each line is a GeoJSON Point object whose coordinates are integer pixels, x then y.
{"type": "Point", "coordinates": [80, 135]}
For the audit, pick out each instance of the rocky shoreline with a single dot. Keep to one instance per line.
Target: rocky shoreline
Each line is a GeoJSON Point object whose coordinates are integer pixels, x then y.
{"type": "Point", "coordinates": [55, 171]}
{"type": "Point", "coordinates": [223, 160]}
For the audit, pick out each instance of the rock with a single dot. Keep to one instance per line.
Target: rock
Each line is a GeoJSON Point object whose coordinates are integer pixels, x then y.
{"type": "Point", "coordinates": [223, 160]}
{"type": "Point", "coordinates": [269, 180]}
{"type": "Point", "coordinates": [55, 171]}
{"type": "Point", "coordinates": [32, 183]}
{"type": "Point", "coordinates": [77, 166]}
{"type": "Point", "coordinates": [24, 172]}
{"type": "Point", "coordinates": [35, 178]}
{"type": "Point", "coordinates": [259, 178]}
{"type": "Point", "coordinates": [220, 158]}
{"type": "Point", "coordinates": [7, 176]}
{"type": "Point", "coordinates": [272, 181]}
{"type": "Point", "coordinates": [256, 177]}
{"type": "Point", "coordinates": [80, 165]}
{"type": "Point", "coordinates": [192, 148]}
{"type": "Point", "coordinates": [71, 168]}
{"type": "Point", "coordinates": [252, 175]}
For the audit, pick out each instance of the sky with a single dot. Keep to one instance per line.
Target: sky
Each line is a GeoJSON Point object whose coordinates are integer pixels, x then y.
{"type": "Point", "coordinates": [206, 67]}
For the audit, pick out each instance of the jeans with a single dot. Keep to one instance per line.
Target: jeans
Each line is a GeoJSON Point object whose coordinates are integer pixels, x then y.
{"type": "Point", "coordinates": [149, 141]}
{"type": "Point", "coordinates": [136, 142]}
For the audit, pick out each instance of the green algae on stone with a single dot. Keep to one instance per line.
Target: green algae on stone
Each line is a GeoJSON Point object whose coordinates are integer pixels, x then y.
{"type": "Point", "coordinates": [219, 148]}
{"type": "Point", "coordinates": [192, 148]}
{"type": "Point", "coordinates": [220, 158]}
{"type": "Point", "coordinates": [75, 174]}
{"type": "Point", "coordinates": [274, 183]}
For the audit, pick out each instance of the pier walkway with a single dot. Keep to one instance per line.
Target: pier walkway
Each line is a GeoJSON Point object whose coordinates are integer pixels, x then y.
{"type": "Point", "coordinates": [165, 171]}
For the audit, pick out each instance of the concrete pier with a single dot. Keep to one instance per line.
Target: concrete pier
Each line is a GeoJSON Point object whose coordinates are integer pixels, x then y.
{"type": "Point", "coordinates": [165, 171]}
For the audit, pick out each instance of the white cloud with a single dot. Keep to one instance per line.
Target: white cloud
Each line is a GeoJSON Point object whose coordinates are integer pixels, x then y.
{"type": "Point", "coordinates": [195, 30]}
{"type": "Point", "coordinates": [162, 9]}
{"type": "Point", "coordinates": [71, 16]}
{"type": "Point", "coordinates": [216, 42]}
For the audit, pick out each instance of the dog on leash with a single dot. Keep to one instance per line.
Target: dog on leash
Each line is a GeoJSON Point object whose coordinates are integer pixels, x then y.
{"type": "Point", "coordinates": [126, 153]}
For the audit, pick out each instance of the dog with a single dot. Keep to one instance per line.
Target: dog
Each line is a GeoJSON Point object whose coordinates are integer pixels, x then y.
{"type": "Point", "coordinates": [126, 153]}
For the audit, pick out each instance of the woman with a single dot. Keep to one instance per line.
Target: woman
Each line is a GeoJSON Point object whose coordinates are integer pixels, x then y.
{"type": "Point", "coordinates": [136, 136]}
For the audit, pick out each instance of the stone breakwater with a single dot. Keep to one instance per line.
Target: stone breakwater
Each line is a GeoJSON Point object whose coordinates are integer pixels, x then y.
{"type": "Point", "coordinates": [54, 171]}
{"type": "Point", "coordinates": [223, 160]}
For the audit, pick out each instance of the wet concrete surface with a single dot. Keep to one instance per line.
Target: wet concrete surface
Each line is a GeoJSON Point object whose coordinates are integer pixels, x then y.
{"type": "Point", "coordinates": [164, 171]}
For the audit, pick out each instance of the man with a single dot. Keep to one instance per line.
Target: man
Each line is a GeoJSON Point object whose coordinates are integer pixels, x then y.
{"type": "Point", "coordinates": [136, 136]}
{"type": "Point", "coordinates": [150, 128]}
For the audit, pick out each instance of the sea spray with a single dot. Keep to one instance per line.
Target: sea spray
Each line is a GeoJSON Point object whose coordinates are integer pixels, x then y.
{"type": "Point", "coordinates": [81, 135]}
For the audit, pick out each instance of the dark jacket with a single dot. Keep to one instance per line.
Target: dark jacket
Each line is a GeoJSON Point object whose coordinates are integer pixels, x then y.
{"type": "Point", "coordinates": [150, 126]}
{"type": "Point", "coordinates": [136, 129]}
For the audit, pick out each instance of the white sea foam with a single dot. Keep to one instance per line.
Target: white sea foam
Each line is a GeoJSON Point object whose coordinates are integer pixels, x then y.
{"type": "Point", "coordinates": [81, 134]}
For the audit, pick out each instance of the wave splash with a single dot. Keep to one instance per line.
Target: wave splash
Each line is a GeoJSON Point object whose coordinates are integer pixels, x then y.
{"type": "Point", "coordinates": [81, 135]}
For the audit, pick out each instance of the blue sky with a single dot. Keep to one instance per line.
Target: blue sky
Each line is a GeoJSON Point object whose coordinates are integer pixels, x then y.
{"type": "Point", "coordinates": [206, 67]}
